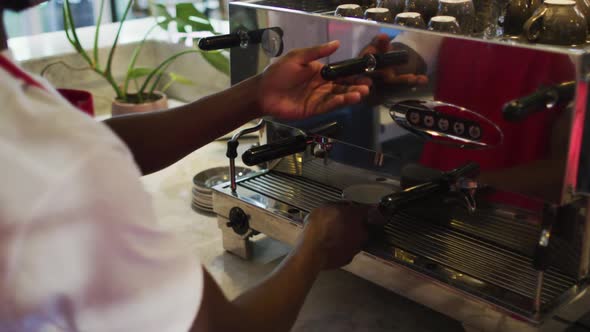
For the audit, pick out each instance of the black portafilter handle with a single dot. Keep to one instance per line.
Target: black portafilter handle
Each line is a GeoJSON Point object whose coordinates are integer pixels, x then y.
{"type": "Point", "coordinates": [392, 204]}
{"type": "Point", "coordinates": [220, 42]}
{"type": "Point", "coordinates": [275, 150]}
{"type": "Point", "coordinates": [356, 66]}
{"type": "Point", "coordinates": [234, 39]}
{"type": "Point", "coordinates": [519, 109]}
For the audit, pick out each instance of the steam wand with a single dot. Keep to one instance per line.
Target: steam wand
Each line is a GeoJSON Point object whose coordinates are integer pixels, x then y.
{"type": "Point", "coordinates": [232, 151]}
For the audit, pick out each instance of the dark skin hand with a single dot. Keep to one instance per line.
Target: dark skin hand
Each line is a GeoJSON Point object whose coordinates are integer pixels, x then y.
{"type": "Point", "coordinates": [332, 235]}
{"type": "Point", "coordinates": [291, 88]}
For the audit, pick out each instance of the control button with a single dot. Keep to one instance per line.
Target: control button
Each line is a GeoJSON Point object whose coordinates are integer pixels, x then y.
{"type": "Point", "coordinates": [414, 118]}
{"type": "Point", "coordinates": [429, 121]}
{"type": "Point", "coordinates": [238, 221]}
{"type": "Point", "coordinates": [443, 124]}
{"type": "Point", "coordinates": [474, 132]}
{"type": "Point", "coordinates": [459, 128]}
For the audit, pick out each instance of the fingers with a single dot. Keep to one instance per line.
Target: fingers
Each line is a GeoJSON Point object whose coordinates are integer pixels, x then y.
{"type": "Point", "coordinates": [406, 79]}
{"type": "Point", "coordinates": [379, 44]}
{"type": "Point", "coordinates": [340, 100]}
{"type": "Point", "coordinates": [307, 55]}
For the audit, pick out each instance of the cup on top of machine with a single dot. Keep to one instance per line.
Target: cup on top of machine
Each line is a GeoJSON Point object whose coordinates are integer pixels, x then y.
{"type": "Point", "coordinates": [446, 24]}
{"type": "Point", "coordinates": [379, 15]}
{"type": "Point", "coordinates": [349, 10]}
{"type": "Point", "coordinates": [410, 19]}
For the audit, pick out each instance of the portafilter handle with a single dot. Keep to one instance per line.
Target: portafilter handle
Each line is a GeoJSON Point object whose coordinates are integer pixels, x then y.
{"type": "Point", "coordinates": [367, 63]}
{"type": "Point", "coordinates": [275, 150]}
{"type": "Point", "coordinates": [543, 98]}
{"type": "Point", "coordinates": [392, 204]}
{"type": "Point", "coordinates": [271, 40]}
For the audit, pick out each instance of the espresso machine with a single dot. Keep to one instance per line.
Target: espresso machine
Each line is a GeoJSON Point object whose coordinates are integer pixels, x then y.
{"type": "Point", "coordinates": [484, 168]}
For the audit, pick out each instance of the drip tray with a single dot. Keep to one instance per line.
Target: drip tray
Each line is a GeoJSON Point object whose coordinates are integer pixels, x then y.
{"type": "Point", "coordinates": [488, 261]}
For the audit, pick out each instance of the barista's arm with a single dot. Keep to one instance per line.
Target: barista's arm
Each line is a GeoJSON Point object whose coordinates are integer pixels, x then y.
{"type": "Point", "coordinates": [290, 88]}
{"type": "Point", "coordinates": [332, 236]}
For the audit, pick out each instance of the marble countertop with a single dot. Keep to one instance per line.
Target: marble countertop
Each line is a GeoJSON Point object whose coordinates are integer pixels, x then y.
{"type": "Point", "coordinates": [339, 301]}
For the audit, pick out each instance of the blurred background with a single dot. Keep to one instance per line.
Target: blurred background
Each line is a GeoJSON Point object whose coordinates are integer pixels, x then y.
{"type": "Point", "coordinates": [48, 16]}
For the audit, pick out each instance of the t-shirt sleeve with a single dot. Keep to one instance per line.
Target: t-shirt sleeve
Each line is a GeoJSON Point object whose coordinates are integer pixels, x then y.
{"type": "Point", "coordinates": [93, 258]}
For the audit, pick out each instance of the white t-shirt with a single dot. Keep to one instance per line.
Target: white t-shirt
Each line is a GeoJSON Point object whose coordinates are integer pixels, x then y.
{"type": "Point", "coordinates": [80, 249]}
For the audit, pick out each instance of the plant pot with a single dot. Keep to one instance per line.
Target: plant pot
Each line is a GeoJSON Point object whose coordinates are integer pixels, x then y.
{"type": "Point", "coordinates": [157, 102]}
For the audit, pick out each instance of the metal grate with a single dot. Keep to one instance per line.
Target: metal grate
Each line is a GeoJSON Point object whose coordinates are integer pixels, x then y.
{"type": "Point", "coordinates": [493, 249]}
{"type": "Point", "coordinates": [476, 257]}
{"type": "Point", "coordinates": [293, 190]}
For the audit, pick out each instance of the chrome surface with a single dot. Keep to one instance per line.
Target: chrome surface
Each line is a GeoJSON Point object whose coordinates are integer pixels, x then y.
{"type": "Point", "coordinates": [234, 139]}
{"type": "Point", "coordinates": [472, 264]}
{"type": "Point", "coordinates": [458, 245]}
{"type": "Point", "coordinates": [466, 72]}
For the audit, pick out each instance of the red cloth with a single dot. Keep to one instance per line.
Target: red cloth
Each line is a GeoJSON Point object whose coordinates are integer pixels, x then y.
{"type": "Point", "coordinates": [15, 71]}
{"type": "Point", "coordinates": [483, 77]}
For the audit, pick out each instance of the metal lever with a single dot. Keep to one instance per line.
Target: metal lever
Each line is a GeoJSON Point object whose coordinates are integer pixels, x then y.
{"type": "Point", "coordinates": [541, 256]}
{"type": "Point", "coordinates": [544, 98]}
{"type": "Point", "coordinates": [232, 151]}
{"type": "Point", "coordinates": [294, 144]}
{"type": "Point", "coordinates": [239, 38]}
{"type": "Point", "coordinates": [367, 63]}
{"type": "Point", "coordinates": [270, 38]}
{"type": "Point", "coordinates": [392, 204]}
{"type": "Point", "coordinates": [275, 150]}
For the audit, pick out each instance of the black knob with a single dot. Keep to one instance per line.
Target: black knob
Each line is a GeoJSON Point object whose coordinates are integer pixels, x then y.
{"type": "Point", "coordinates": [238, 221]}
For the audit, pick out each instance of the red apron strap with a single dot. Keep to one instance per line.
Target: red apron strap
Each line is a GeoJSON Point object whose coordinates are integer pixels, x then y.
{"type": "Point", "coordinates": [18, 73]}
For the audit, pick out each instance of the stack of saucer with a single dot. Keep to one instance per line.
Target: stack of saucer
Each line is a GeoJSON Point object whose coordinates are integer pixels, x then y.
{"type": "Point", "coordinates": [205, 180]}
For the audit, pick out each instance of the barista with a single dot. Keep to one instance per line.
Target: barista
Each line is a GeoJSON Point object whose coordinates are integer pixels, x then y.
{"type": "Point", "coordinates": [80, 248]}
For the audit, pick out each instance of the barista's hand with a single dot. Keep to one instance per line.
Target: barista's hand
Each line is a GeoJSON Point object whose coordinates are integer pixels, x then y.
{"type": "Point", "coordinates": [382, 44]}
{"type": "Point", "coordinates": [292, 87]}
{"type": "Point", "coordinates": [335, 233]}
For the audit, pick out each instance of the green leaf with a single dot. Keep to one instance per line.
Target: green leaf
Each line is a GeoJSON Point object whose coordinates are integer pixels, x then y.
{"type": "Point", "coordinates": [180, 79]}
{"type": "Point", "coordinates": [217, 60]}
{"type": "Point", "coordinates": [188, 16]}
{"type": "Point", "coordinates": [139, 72]}
{"type": "Point", "coordinates": [161, 14]}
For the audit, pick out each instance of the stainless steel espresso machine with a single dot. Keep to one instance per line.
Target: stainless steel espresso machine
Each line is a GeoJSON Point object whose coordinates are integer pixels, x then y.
{"type": "Point", "coordinates": [485, 167]}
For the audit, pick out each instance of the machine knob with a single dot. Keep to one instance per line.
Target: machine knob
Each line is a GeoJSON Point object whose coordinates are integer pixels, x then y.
{"type": "Point", "coordinates": [238, 221]}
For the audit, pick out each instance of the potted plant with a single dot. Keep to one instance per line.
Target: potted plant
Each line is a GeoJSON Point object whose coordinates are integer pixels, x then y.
{"type": "Point", "coordinates": [144, 96]}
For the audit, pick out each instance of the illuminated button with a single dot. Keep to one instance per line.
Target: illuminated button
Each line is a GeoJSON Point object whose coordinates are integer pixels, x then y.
{"type": "Point", "coordinates": [459, 128]}
{"type": "Point", "coordinates": [443, 124]}
{"type": "Point", "coordinates": [474, 132]}
{"type": "Point", "coordinates": [429, 121]}
{"type": "Point", "coordinates": [414, 118]}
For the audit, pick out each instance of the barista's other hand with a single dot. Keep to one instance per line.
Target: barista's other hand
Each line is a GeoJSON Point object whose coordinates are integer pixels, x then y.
{"type": "Point", "coordinates": [335, 233]}
{"type": "Point", "coordinates": [382, 44]}
{"type": "Point", "coordinates": [292, 87]}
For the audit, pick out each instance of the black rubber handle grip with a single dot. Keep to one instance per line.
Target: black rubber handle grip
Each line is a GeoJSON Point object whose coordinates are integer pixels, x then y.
{"type": "Point", "coordinates": [356, 66]}
{"type": "Point", "coordinates": [219, 42]}
{"type": "Point", "coordinates": [344, 68]}
{"type": "Point", "coordinates": [275, 150]}
{"type": "Point", "coordinates": [394, 58]}
{"type": "Point", "coordinates": [391, 204]}
{"type": "Point", "coordinates": [519, 109]}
